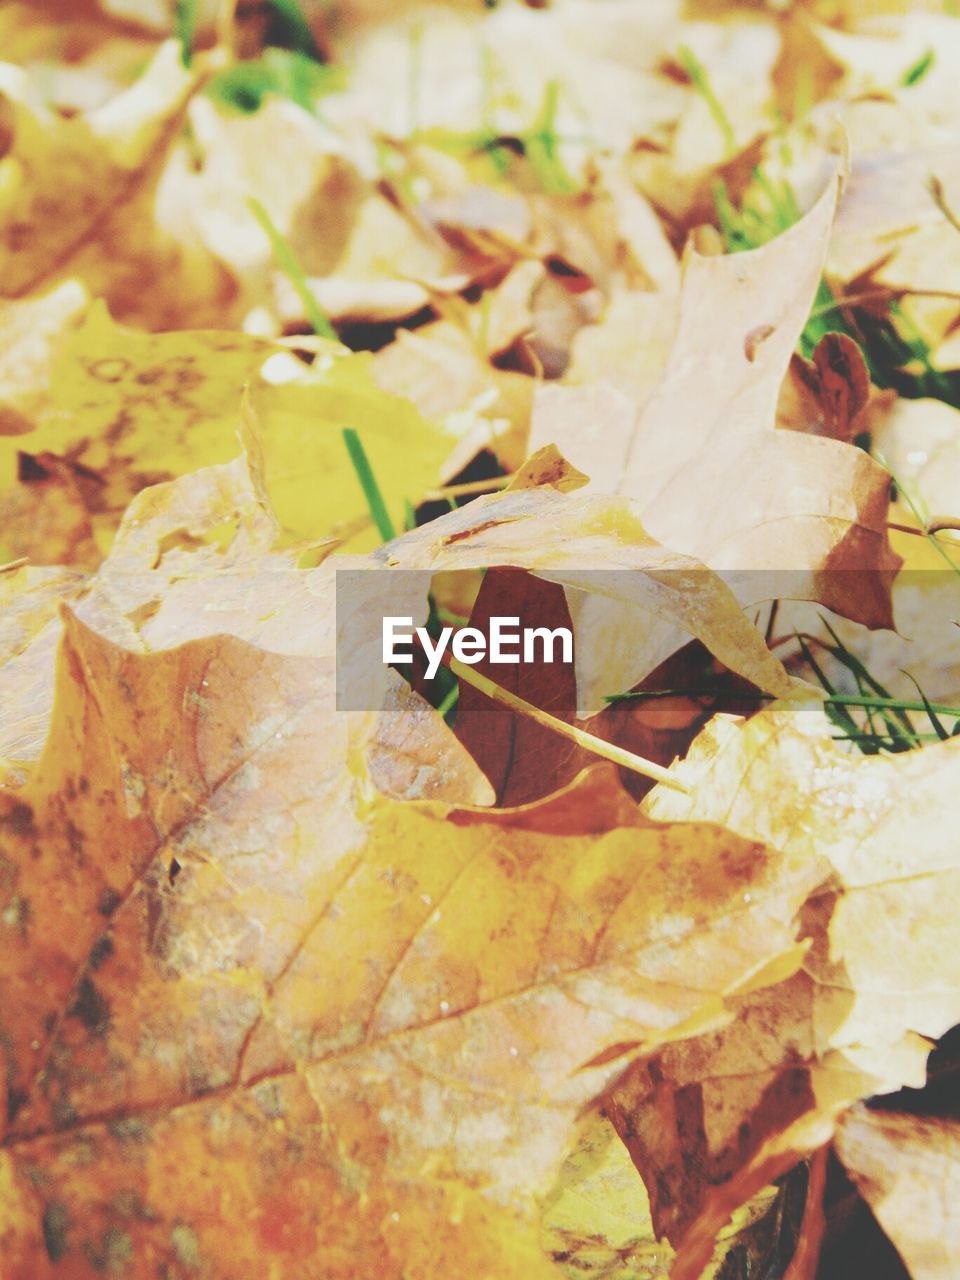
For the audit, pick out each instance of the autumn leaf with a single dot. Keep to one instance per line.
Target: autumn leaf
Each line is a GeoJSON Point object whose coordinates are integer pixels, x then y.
{"type": "Point", "coordinates": [345, 1058]}
{"type": "Point", "coordinates": [907, 1168]}
{"type": "Point", "coordinates": [602, 547]}
{"type": "Point", "coordinates": [64, 178]}
{"type": "Point", "coordinates": [128, 382]}
{"type": "Point", "coordinates": [638, 324]}
{"type": "Point", "coordinates": [860, 1017]}
{"type": "Point", "coordinates": [703, 461]}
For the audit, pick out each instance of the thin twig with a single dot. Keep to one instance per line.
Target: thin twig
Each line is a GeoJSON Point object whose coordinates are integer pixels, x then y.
{"type": "Point", "coordinates": [608, 750]}
{"type": "Point", "coordinates": [462, 490]}
{"type": "Point", "coordinates": [941, 524]}
{"type": "Point", "coordinates": [882, 295]}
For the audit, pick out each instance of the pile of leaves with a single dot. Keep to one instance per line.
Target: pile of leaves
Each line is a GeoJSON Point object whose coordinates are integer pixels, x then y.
{"type": "Point", "coordinates": [642, 318]}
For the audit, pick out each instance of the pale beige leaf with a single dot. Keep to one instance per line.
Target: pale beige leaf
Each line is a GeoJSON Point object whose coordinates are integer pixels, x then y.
{"type": "Point", "coordinates": [907, 1168]}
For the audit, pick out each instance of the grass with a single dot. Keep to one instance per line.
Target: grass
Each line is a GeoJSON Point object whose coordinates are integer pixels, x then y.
{"type": "Point", "coordinates": [295, 29]}
{"type": "Point", "coordinates": [915, 73]}
{"type": "Point", "coordinates": [895, 351]}
{"type": "Point", "coordinates": [368, 483]}
{"type": "Point", "coordinates": [887, 726]}
{"type": "Point", "coordinates": [898, 736]}
{"type": "Point", "coordinates": [281, 73]}
{"type": "Point", "coordinates": [539, 145]}
{"type": "Point", "coordinates": [701, 82]}
{"type": "Point", "coordinates": [185, 27]}
{"type": "Point", "coordinates": [289, 264]}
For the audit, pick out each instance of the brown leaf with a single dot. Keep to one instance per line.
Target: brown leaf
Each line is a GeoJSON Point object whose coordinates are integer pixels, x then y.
{"type": "Point", "coordinates": [72, 174]}
{"type": "Point", "coordinates": [522, 759]}
{"type": "Point", "coordinates": [833, 388]}
{"type": "Point", "coordinates": [710, 475]}
{"type": "Point", "coordinates": [907, 1168]}
{"type": "Point", "coordinates": [596, 546]}
{"type": "Point", "coordinates": [190, 1015]}
{"type": "Point", "coordinates": [713, 1120]}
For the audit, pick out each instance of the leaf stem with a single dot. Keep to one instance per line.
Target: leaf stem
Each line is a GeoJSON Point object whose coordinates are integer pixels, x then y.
{"type": "Point", "coordinates": [471, 486]}
{"type": "Point", "coordinates": [589, 742]}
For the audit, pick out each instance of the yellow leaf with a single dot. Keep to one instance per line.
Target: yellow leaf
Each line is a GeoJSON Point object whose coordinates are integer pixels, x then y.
{"type": "Point", "coordinates": [135, 408]}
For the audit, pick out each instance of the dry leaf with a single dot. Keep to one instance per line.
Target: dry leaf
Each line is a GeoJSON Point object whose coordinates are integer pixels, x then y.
{"type": "Point", "coordinates": [908, 1170]}
{"type": "Point", "coordinates": [857, 1021]}
{"type": "Point", "coordinates": [704, 463]}
{"type": "Point", "coordinates": [371, 1080]}
{"type": "Point", "coordinates": [65, 178]}
{"type": "Point", "coordinates": [299, 991]}
{"type": "Point", "coordinates": [596, 546]}
{"type": "Point", "coordinates": [702, 459]}
{"type": "Point", "coordinates": [129, 382]}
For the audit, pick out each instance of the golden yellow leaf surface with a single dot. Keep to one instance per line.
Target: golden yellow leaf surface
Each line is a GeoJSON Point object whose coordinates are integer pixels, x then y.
{"type": "Point", "coordinates": [247, 951]}
{"type": "Point", "coordinates": [62, 179]}
{"type": "Point", "coordinates": [637, 319]}
{"type": "Point", "coordinates": [130, 409]}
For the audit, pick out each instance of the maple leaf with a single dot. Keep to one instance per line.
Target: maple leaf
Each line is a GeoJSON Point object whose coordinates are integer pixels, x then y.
{"type": "Point", "coordinates": [908, 1170]}
{"type": "Point", "coordinates": [67, 177]}
{"type": "Point", "coordinates": [254, 968]}
{"type": "Point", "coordinates": [859, 1018]}
{"type": "Point", "coordinates": [704, 463]}
{"type": "Point", "coordinates": [603, 550]}
{"type": "Point", "coordinates": [298, 991]}
{"type": "Point", "coordinates": [127, 382]}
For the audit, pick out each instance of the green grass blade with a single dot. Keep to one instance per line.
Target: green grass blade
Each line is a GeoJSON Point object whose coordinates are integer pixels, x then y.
{"type": "Point", "coordinates": [541, 147]}
{"type": "Point", "coordinates": [291, 268]}
{"type": "Point", "coordinates": [836, 711]}
{"type": "Point", "coordinates": [940, 729]}
{"type": "Point", "coordinates": [728, 218]}
{"type": "Point", "coordinates": [863, 678]}
{"type": "Point", "coordinates": [701, 82]}
{"type": "Point", "coordinates": [915, 73]}
{"type": "Point", "coordinates": [282, 73]}
{"type": "Point", "coordinates": [297, 28]}
{"type": "Point", "coordinates": [185, 27]}
{"type": "Point", "coordinates": [449, 703]}
{"type": "Point", "coordinates": [368, 483]}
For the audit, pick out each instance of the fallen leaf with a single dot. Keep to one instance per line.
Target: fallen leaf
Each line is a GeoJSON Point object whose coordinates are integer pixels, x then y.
{"type": "Point", "coordinates": [860, 1017]}
{"type": "Point", "coordinates": [702, 458]}
{"type": "Point", "coordinates": [908, 1170]}
{"type": "Point", "coordinates": [831, 390]}
{"type": "Point", "coordinates": [522, 759]}
{"type": "Point", "coordinates": [64, 178]}
{"type": "Point", "coordinates": [30, 332]}
{"type": "Point", "coordinates": [603, 551]}
{"type": "Point", "coordinates": [341, 1079]}
{"type": "Point", "coordinates": [127, 382]}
